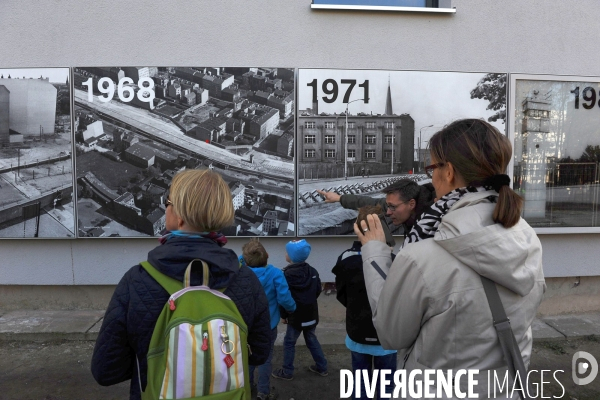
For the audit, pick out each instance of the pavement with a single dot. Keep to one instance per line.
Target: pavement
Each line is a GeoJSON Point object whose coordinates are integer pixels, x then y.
{"type": "Point", "coordinates": [47, 355]}
{"type": "Point", "coordinates": [84, 325]}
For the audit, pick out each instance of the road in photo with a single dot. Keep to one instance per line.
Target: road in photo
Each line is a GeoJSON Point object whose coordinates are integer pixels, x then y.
{"type": "Point", "coordinates": [36, 177]}
{"type": "Point", "coordinates": [361, 130]}
{"type": "Point", "coordinates": [136, 127]}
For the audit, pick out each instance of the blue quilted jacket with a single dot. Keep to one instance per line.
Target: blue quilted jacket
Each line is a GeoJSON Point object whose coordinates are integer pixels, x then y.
{"type": "Point", "coordinates": [138, 301]}
{"type": "Point", "coordinates": [277, 291]}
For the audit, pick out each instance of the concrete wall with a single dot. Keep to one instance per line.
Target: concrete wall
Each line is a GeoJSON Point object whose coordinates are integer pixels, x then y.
{"type": "Point", "coordinates": [484, 35]}
{"type": "Point", "coordinates": [32, 104]}
{"type": "Point", "coordinates": [4, 114]}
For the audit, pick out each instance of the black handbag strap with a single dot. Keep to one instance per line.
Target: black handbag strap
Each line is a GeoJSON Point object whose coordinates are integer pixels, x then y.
{"type": "Point", "coordinates": [508, 342]}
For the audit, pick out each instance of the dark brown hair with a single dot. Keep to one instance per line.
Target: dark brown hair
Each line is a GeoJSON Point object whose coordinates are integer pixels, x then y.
{"type": "Point", "coordinates": [478, 151]}
{"type": "Point", "coordinates": [366, 210]}
{"type": "Point", "coordinates": [409, 190]}
{"type": "Point", "coordinates": [254, 253]}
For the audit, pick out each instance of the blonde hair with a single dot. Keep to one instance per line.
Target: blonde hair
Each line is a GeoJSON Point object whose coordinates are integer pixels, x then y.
{"type": "Point", "coordinates": [202, 199]}
{"type": "Point", "coordinates": [255, 253]}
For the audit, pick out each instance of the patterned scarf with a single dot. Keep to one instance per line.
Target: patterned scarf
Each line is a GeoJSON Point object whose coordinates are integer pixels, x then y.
{"type": "Point", "coordinates": [427, 224]}
{"type": "Point", "coordinates": [217, 237]}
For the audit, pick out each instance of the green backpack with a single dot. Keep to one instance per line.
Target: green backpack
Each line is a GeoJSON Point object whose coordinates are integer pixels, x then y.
{"type": "Point", "coordinates": [199, 347]}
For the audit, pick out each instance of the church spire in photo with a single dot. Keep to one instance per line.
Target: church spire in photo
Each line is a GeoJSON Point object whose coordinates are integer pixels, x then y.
{"type": "Point", "coordinates": [388, 100]}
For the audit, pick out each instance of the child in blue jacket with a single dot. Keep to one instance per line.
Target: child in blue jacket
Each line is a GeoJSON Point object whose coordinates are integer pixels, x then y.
{"type": "Point", "coordinates": [278, 293]}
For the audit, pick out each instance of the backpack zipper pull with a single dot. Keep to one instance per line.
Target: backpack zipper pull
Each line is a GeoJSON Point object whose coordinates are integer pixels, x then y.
{"type": "Point", "coordinates": [204, 341]}
{"type": "Point", "coordinates": [171, 303]}
{"type": "Point", "coordinates": [224, 336]}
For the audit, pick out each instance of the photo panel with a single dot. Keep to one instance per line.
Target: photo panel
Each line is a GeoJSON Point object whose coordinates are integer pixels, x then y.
{"type": "Point", "coordinates": [136, 127]}
{"type": "Point", "coordinates": [36, 164]}
{"type": "Point", "coordinates": [556, 140]}
{"type": "Point", "coordinates": [362, 130]}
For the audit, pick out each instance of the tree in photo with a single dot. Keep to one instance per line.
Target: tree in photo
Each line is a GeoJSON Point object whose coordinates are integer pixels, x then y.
{"type": "Point", "coordinates": [590, 154]}
{"type": "Point", "coordinates": [492, 87]}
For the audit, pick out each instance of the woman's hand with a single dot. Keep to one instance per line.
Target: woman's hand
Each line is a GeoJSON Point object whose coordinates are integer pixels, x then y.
{"type": "Point", "coordinates": [330, 197]}
{"type": "Point", "coordinates": [374, 232]}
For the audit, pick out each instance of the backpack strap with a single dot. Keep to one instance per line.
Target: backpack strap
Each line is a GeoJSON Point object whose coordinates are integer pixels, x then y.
{"type": "Point", "coordinates": [506, 336]}
{"type": "Point", "coordinates": [169, 284]}
{"type": "Point", "coordinates": [188, 273]}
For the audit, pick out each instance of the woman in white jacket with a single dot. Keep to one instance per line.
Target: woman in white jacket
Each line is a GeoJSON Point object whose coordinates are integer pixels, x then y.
{"type": "Point", "coordinates": [430, 303]}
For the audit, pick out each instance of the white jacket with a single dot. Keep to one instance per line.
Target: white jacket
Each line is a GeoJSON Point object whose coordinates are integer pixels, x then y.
{"type": "Point", "coordinates": [432, 306]}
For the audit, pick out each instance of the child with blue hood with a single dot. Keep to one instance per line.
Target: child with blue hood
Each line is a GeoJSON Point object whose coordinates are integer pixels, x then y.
{"type": "Point", "coordinates": [305, 285]}
{"type": "Point", "coordinates": [255, 256]}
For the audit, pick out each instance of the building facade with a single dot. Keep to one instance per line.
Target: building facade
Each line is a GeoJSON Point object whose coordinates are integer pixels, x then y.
{"type": "Point", "coordinates": [32, 105]}
{"type": "Point", "coordinates": [381, 143]}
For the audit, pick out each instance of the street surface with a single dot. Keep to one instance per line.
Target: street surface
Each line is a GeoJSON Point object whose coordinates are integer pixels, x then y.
{"type": "Point", "coordinates": [61, 371]}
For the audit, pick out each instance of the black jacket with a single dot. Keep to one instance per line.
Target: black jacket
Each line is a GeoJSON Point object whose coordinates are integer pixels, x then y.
{"type": "Point", "coordinates": [352, 293]}
{"type": "Point", "coordinates": [138, 301]}
{"type": "Point", "coordinates": [305, 285]}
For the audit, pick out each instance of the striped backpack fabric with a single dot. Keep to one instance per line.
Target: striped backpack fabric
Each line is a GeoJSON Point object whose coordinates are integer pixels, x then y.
{"type": "Point", "coordinates": [199, 347]}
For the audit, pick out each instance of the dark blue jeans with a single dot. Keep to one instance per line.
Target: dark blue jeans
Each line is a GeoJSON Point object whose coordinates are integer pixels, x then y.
{"type": "Point", "coordinates": [289, 348]}
{"type": "Point", "coordinates": [264, 371]}
{"type": "Point", "coordinates": [368, 362]}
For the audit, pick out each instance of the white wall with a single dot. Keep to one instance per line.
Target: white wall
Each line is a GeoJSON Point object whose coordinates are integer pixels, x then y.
{"type": "Point", "coordinates": [533, 36]}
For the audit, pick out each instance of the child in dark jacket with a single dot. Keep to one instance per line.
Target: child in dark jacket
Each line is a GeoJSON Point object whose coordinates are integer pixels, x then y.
{"type": "Point", "coordinates": [305, 286]}
{"type": "Point", "coordinates": [361, 339]}
{"type": "Point", "coordinates": [278, 293]}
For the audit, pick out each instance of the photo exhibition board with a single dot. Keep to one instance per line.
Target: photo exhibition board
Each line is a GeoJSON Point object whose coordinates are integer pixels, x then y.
{"type": "Point", "coordinates": [136, 127]}
{"type": "Point", "coordinates": [359, 131]}
{"type": "Point", "coordinates": [36, 163]}
{"type": "Point", "coordinates": [556, 141]}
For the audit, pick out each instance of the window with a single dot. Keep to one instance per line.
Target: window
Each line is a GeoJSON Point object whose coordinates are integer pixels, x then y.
{"type": "Point", "coordinates": [329, 125]}
{"type": "Point", "coordinates": [310, 139]}
{"type": "Point", "coordinates": [370, 154]}
{"type": "Point", "coordinates": [537, 113]}
{"type": "Point", "coordinates": [370, 125]}
{"type": "Point", "coordinates": [370, 139]}
{"type": "Point", "coordinates": [351, 125]}
{"type": "Point", "coordinates": [309, 125]}
{"type": "Point", "coordinates": [351, 139]}
{"type": "Point", "coordinates": [389, 139]}
{"type": "Point", "coordinates": [351, 153]}
{"type": "Point", "coordinates": [329, 139]}
{"type": "Point", "coordinates": [389, 125]}
{"type": "Point", "coordinates": [309, 153]}
{"type": "Point", "coordinates": [387, 154]}
{"type": "Point", "coordinates": [437, 6]}
{"type": "Point", "coordinates": [329, 153]}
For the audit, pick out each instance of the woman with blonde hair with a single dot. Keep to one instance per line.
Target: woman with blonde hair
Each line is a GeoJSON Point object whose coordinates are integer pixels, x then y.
{"type": "Point", "coordinates": [198, 206]}
{"type": "Point", "coordinates": [430, 303]}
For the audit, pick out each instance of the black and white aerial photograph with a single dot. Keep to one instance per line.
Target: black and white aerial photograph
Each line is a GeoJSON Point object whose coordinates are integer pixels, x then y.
{"type": "Point", "coordinates": [36, 165]}
{"type": "Point", "coordinates": [136, 127]}
{"type": "Point", "coordinates": [360, 131]}
{"type": "Point", "coordinates": [557, 150]}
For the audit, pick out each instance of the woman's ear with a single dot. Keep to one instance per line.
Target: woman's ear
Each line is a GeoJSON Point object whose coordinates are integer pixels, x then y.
{"type": "Point", "coordinates": [453, 176]}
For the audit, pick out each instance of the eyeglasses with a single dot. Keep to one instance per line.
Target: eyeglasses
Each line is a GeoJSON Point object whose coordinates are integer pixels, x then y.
{"type": "Point", "coordinates": [429, 169]}
{"type": "Point", "coordinates": [168, 202]}
{"type": "Point", "coordinates": [392, 207]}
